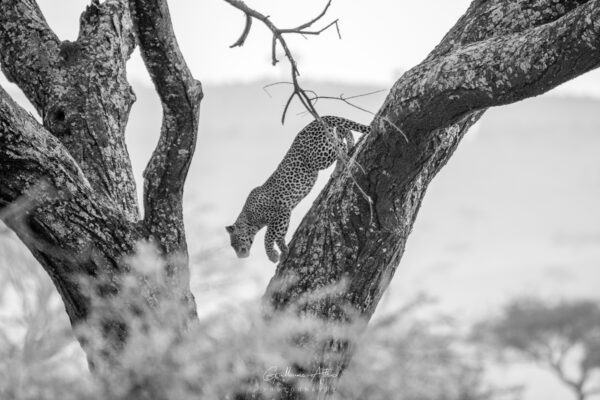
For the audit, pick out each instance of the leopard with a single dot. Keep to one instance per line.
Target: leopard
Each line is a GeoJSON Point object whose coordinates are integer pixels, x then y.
{"type": "Point", "coordinates": [316, 147]}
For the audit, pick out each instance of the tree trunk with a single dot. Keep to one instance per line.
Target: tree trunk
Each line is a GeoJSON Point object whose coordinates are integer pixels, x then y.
{"type": "Point", "coordinates": [346, 251]}
{"type": "Point", "coordinates": [66, 187]}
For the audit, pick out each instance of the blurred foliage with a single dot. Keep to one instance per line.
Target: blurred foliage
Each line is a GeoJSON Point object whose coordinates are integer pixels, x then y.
{"type": "Point", "coordinates": [562, 336]}
{"type": "Point", "coordinates": [232, 348]}
{"type": "Point", "coordinates": [39, 358]}
{"type": "Point", "coordinates": [404, 356]}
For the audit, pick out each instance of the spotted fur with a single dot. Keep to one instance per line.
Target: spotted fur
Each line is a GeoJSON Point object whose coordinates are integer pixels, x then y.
{"type": "Point", "coordinates": [271, 204]}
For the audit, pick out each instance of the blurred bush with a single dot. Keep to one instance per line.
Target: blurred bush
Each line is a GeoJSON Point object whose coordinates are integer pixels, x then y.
{"type": "Point", "coordinates": [561, 336]}
{"type": "Point", "coordinates": [231, 349]}
{"type": "Point", "coordinates": [39, 358]}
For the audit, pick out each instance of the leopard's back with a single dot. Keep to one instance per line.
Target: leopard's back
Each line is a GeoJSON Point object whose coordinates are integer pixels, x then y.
{"type": "Point", "coordinates": [311, 151]}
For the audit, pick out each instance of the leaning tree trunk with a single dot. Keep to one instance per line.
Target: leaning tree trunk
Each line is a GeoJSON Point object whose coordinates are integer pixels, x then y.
{"type": "Point", "coordinates": [66, 186]}
{"type": "Point", "coordinates": [346, 251]}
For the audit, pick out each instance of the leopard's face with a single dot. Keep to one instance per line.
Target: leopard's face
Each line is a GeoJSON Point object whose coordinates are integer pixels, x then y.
{"type": "Point", "coordinates": [241, 237]}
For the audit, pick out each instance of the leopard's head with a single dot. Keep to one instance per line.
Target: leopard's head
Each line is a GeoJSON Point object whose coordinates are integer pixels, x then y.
{"type": "Point", "coordinates": [241, 236]}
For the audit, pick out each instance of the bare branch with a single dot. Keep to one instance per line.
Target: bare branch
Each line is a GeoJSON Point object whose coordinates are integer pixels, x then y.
{"type": "Point", "coordinates": [308, 91]}
{"type": "Point", "coordinates": [317, 32]}
{"type": "Point", "coordinates": [240, 42]}
{"type": "Point", "coordinates": [525, 15]}
{"type": "Point", "coordinates": [346, 99]}
{"type": "Point", "coordinates": [314, 20]}
{"type": "Point", "coordinates": [475, 77]}
{"type": "Point", "coordinates": [278, 37]}
{"type": "Point", "coordinates": [165, 175]}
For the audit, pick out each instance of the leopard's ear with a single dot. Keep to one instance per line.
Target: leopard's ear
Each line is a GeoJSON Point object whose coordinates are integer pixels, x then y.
{"type": "Point", "coordinates": [229, 228]}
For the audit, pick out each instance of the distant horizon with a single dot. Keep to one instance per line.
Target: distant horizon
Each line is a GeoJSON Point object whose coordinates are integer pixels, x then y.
{"type": "Point", "coordinates": [378, 42]}
{"type": "Point", "coordinates": [569, 92]}
{"type": "Point", "coordinates": [138, 83]}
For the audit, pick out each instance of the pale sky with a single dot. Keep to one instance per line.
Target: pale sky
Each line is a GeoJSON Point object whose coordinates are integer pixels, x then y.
{"type": "Point", "coordinates": [379, 39]}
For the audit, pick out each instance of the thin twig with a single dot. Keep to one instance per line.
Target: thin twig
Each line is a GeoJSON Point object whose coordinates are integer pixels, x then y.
{"type": "Point", "coordinates": [315, 19]}
{"type": "Point", "coordinates": [240, 42]}
{"type": "Point", "coordinates": [346, 100]}
{"type": "Point", "coordinates": [278, 38]}
{"type": "Point", "coordinates": [309, 91]}
{"type": "Point", "coordinates": [317, 32]}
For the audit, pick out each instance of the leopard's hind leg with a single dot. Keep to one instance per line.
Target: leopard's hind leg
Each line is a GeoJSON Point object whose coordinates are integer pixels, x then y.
{"type": "Point", "coordinates": [276, 230]}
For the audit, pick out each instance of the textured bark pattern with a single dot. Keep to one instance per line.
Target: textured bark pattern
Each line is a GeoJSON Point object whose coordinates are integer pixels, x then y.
{"type": "Point", "coordinates": [66, 188]}
{"type": "Point", "coordinates": [498, 52]}
{"type": "Point", "coordinates": [180, 95]}
{"type": "Point", "coordinates": [79, 88]}
{"type": "Point", "coordinates": [47, 201]}
{"type": "Point", "coordinates": [165, 175]}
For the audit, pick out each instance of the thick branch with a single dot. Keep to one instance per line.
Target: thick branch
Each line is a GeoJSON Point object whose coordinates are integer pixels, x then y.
{"type": "Point", "coordinates": [180, 95]}
{"type": "Point", "coordinates": [487, 19]}
{"type": "Point", "coordinates": [79, 88]}
{"type": "Point", "coordinates": [478, 65]}
{"type": "Point", "coordinates": [496, 71]}
{"type": "Point", "coordinates": [166, 172]}
{"type": "Point", "coordinates": [28, 49]}
{"type": "Point", "coordinates": [407, 109]}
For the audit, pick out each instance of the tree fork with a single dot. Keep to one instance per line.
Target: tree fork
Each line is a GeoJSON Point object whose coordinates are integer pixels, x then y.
{"type": "Point", "coordinates": [79, 88]}
{"type": "Point", "coordinates": [67, 188]}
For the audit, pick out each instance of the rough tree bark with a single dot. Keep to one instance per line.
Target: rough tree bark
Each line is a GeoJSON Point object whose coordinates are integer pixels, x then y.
{"type": "Point", "coordinates": [66, 187]}
{"type": "Point", "coordinates": [498, 52]}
